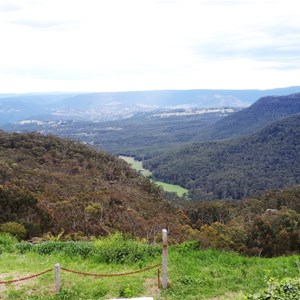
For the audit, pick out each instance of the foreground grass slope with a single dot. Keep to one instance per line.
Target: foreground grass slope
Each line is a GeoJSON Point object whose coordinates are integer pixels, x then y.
{"type": "Point", "coordinates": [193, 273]}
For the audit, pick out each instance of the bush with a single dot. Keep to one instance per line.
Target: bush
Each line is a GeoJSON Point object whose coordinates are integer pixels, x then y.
{"type": "Point", "coordinates": [7, 242]}
{"type": "Point", "coordinates": [188, 246]}
{"type": "Point", "coordinates": [14, 228]}
{"type": "Point", "coordinates": [113, 249]}
{"type": "Point", "coordinates": [70, 248]}
{"type": "Point", "coordinates": [118, 248]}
{"type": "Point", "coordinates": [286, 289]}
{"type": "Point", "coordinates": [24, 247]}
{"type": "Point", "coordinates": [33, 230]}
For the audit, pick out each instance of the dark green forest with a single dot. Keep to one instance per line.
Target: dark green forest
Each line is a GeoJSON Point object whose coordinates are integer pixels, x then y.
{"type": "Point", "coordinates": [234, 169]}
{"type": "Point", "coordinates": [249, 120]}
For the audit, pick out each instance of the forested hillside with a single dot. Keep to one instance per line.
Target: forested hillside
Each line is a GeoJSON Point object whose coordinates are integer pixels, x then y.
{"type": "Point", "coordinates": [237, 168]}
{"type": "Point", "coordinates": [51, 184]}
{"type": "Point", "coordinates": [253, 226]}
{"type": "Point", "coordinates": [264, 111]}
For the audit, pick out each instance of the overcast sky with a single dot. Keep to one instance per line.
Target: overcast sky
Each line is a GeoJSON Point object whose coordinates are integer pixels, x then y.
{"type": "Point", "coordinates": [121, 45]}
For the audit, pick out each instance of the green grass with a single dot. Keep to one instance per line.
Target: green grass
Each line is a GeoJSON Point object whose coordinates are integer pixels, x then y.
{"type": "Point", "coordinates": [172, 188]}
{"type": "Point", "coordinates": [73, 286]}
{"type": "Point", "coordinates": [193, 273]}
{"type": "Point", "coordinates": [138, 165]}
{"type": "Point", "coordinates": [208, 274]}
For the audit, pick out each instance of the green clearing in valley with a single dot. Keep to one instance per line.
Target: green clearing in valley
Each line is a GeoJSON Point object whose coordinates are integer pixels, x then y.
{"type": "Point", "coordinates": [138, 165]}
{"type": "Point", "coordinates": [172, 188]}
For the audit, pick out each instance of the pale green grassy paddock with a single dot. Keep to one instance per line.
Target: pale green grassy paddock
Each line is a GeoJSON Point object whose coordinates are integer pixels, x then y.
{"type": "Point", "coordinates": [171, 188]}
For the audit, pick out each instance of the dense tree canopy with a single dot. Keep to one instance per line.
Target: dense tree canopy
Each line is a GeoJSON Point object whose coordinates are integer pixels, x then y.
{"type": "Point", "coordinates": [236, 168]}
{"type": "Point", "coordinates": [57, 184]}
{"type": "Point", "coordinates": [266, 226]}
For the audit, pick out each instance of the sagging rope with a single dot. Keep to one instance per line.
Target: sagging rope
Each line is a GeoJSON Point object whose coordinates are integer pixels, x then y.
{"type": "Point", "coordinates": [110, 275]}
{"type": "Point", "coordinates": [80, 273]}
{"type": "Point", "coordinates": [25, 278]}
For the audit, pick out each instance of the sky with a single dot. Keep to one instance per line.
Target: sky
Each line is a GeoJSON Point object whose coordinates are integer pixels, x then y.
{"type": "Point", "coordinates": [128, 45]}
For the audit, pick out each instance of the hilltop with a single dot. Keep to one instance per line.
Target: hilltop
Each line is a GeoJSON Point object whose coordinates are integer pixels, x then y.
{"type": "Point", "coordinates": [264, 111]}
{"type": "Point", "coordinates": [50, 184]}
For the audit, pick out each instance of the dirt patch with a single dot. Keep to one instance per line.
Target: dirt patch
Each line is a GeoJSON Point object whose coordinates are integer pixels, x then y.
{"type": "Point", "coordinates": [151, 286]}
{"type": "Point", "coordinates": [10, 276]}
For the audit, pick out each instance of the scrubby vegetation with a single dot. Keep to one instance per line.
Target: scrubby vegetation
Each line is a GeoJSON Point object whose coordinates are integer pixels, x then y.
{"type": "Point", "coordinates": [115, 248]}
{"type": "Point", "coordinates": [48, 184]}
{"type": "Point", "coordinates": [254, 226]}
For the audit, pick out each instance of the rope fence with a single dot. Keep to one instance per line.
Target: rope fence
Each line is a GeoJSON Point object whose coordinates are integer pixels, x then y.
{"type": "Point", "coordinates": [57, 268]}
{"type": "Point", "coordinates": [111, 275]}
{"type": "Point", "coordinates": [26, 278]}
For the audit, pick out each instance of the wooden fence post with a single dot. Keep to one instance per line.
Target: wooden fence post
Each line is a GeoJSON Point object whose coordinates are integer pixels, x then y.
{"type": "Point", "coordinates": [57, 278]}
{"type": "Point", "coordinates": [165, 259]}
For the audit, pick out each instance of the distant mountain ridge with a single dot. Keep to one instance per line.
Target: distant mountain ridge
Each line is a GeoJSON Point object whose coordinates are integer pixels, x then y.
{"type": "Point", "coordinates": [259, 114]}
{"type": "Point", "coordinates": [118, 105]}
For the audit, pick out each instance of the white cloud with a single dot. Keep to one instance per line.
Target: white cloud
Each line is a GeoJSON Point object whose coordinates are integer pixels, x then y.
{"type": "Point", "coordinates": [148, 44]}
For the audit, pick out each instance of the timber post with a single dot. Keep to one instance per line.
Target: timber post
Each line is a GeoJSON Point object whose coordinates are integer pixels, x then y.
{"type": "Point", "coordinates": [57, 278]}
{"type": "Point", "coordinates": [165, 258]}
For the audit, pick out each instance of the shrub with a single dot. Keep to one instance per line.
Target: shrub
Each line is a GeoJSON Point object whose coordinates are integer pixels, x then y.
{"type": "Point", "coordinates": [113, 249]}
{"type": "Point", "coordinates": [286, 289]}
{"type": "Point", "coordinates": [24, 247]}
{"type": "Point", "coordinates": [83, 249]}
{"type": "Point", "coordinates": [118, 248]}
{"type": "Point", "coordinates": [33, 230]}
{"type": "Point", "coordinates": [14, 228]}
{"type": "Point", "coordinates": [7, 242]}
{"type": "Point", "coordinates": [188, 246]}
{"type": "Point", "coordinates": [69, 248]}
{"type": "Point", "coordinates": [126, 292]}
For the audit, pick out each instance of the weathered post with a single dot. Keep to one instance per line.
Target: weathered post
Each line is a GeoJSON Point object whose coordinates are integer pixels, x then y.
{"type": "Point", "coordinates": [164, 280]}
{"type": "Point", "coordinates": [57, 278]}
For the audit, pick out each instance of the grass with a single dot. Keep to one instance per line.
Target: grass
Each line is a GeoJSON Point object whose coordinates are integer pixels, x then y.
{"type": "Point", "coordinates": [214, 274]}
{"type": "Point", "coordinates": [193, 273]}
{"type": "Point", "coordinates": [171, 188]}
{"type": "Point", "coordinates": [137, 165]}
{"type": "Point", "coordinates": [73, 286]}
